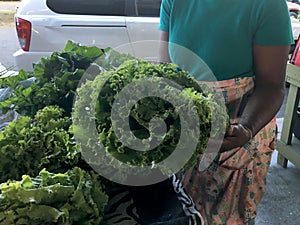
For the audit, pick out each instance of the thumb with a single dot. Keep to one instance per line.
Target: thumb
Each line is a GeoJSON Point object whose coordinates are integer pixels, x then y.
{"type": "Point", "coordinates": [229, 131]}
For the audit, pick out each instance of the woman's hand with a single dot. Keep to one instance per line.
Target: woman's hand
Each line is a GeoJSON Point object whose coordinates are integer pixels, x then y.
{"type": "Point", "coordinates": [236, 136]}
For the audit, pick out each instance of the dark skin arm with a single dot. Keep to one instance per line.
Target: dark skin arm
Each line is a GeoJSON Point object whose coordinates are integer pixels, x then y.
{"type": "Point", "coordinates": [270, 65]}
{"type": "Point", "coordinates": [266, 100]}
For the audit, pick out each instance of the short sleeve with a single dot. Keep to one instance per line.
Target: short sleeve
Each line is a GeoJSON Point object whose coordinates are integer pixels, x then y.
{"type": "Point", "coordinates": [165, 12]}
{"type": "Point", "coordinates": [274, 24]}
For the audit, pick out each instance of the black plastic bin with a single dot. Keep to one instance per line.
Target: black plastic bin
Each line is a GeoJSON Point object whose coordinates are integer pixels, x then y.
{"type": "Point", "coordinates": [297, 124]}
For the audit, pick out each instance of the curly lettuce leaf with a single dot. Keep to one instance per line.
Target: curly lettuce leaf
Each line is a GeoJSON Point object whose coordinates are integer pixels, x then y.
{"type": "Point", "coordinates": [74, 197]}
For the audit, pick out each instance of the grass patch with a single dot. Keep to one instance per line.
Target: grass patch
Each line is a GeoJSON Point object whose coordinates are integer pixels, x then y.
{"type": "Point", "coordinates": [7, 18]}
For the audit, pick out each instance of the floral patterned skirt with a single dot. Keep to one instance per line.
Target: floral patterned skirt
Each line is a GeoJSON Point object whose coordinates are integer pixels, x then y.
{"type": "Point", "coordinates": [229, 190]}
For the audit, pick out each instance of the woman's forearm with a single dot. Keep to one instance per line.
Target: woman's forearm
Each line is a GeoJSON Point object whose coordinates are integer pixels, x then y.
{"type": "Point", "coordinates": [269, 67]}
{"type": "Point", "coordinates": [262, 106]}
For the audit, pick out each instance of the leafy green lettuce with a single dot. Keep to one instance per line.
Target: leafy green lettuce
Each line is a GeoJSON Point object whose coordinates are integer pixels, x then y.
{"type": "Point", "coordinates": [103, 91]}
{"type": "Point", "coordinates": [54, 79]}
{"type": "Point", "coordinates": [74, 197]}
{"type": "Point", "coordinates": [28, 145]}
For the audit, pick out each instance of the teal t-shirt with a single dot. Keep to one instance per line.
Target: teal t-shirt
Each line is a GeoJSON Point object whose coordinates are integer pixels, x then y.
{"type": "Point", "coordinates": [216, 36]}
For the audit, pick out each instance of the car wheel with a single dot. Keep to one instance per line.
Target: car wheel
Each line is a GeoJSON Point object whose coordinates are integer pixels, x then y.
{"type": "Point", "coordinates": [294, 14]}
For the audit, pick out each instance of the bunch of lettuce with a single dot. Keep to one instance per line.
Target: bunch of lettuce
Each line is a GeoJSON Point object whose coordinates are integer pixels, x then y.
{"type": "Point", "coordinates": [100, 95]}
{"type": "Point", "coordinates": [42, 137]}
{"type": "Point", "coordinates": [74, 197]}
{"type": "Point", "coordinates": [28, 145]}
{"type": "Point", "coordinates": [55, 78]}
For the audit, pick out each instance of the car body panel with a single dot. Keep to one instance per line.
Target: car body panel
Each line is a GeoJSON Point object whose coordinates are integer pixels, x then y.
{"type": "Point", "coordinates": [51, 31]}
{"type": "Point", "coordinates": [147, 27]}
{"type": "Point", "coordinates": [25, 60]}
{"type": "Point", "coordinates": [144, 44]}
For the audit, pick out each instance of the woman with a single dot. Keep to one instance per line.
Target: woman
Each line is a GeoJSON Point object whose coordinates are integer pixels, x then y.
{"type": "Point", "coordinates": [245, 44]}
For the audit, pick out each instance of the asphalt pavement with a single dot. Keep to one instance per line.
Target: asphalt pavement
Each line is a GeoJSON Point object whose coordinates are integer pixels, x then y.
{"type": "Point", "coordinates": [8, 37]}
{"type": "Point", "coordinates": [8, 45]}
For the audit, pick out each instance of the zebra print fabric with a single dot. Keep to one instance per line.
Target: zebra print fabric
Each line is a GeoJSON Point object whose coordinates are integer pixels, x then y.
{"type": "Point", "coordinates": [121, 209]}
{"type": "Point", "coordinates": [188, 205]}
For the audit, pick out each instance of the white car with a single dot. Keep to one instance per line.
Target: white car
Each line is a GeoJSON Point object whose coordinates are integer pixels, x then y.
{"type": "Point", "coordinates": [44, 26]}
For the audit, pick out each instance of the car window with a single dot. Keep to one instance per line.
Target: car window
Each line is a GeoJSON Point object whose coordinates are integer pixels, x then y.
{"type": "Point", "coordinates": [146, 8]}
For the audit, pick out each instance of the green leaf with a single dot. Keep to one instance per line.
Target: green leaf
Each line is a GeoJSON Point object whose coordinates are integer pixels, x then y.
{"type": "Point", "coordinates": [74, 197]}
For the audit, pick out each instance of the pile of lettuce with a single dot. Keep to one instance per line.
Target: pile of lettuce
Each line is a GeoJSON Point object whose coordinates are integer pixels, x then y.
{"type": "Point", "coordinates": [41, 138]}
{"type": "Point", "coordinates": [54, 79]}
{"type": "Point", "coordinates": [74, 197]}
{"type": "Point", "coordinates": [28, 145]}
{"type": "Point", "coordinates": [46, 178]}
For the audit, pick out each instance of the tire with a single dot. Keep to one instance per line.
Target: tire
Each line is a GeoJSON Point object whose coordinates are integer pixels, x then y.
{"type": "Point", "coordinates": [294, 14]}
